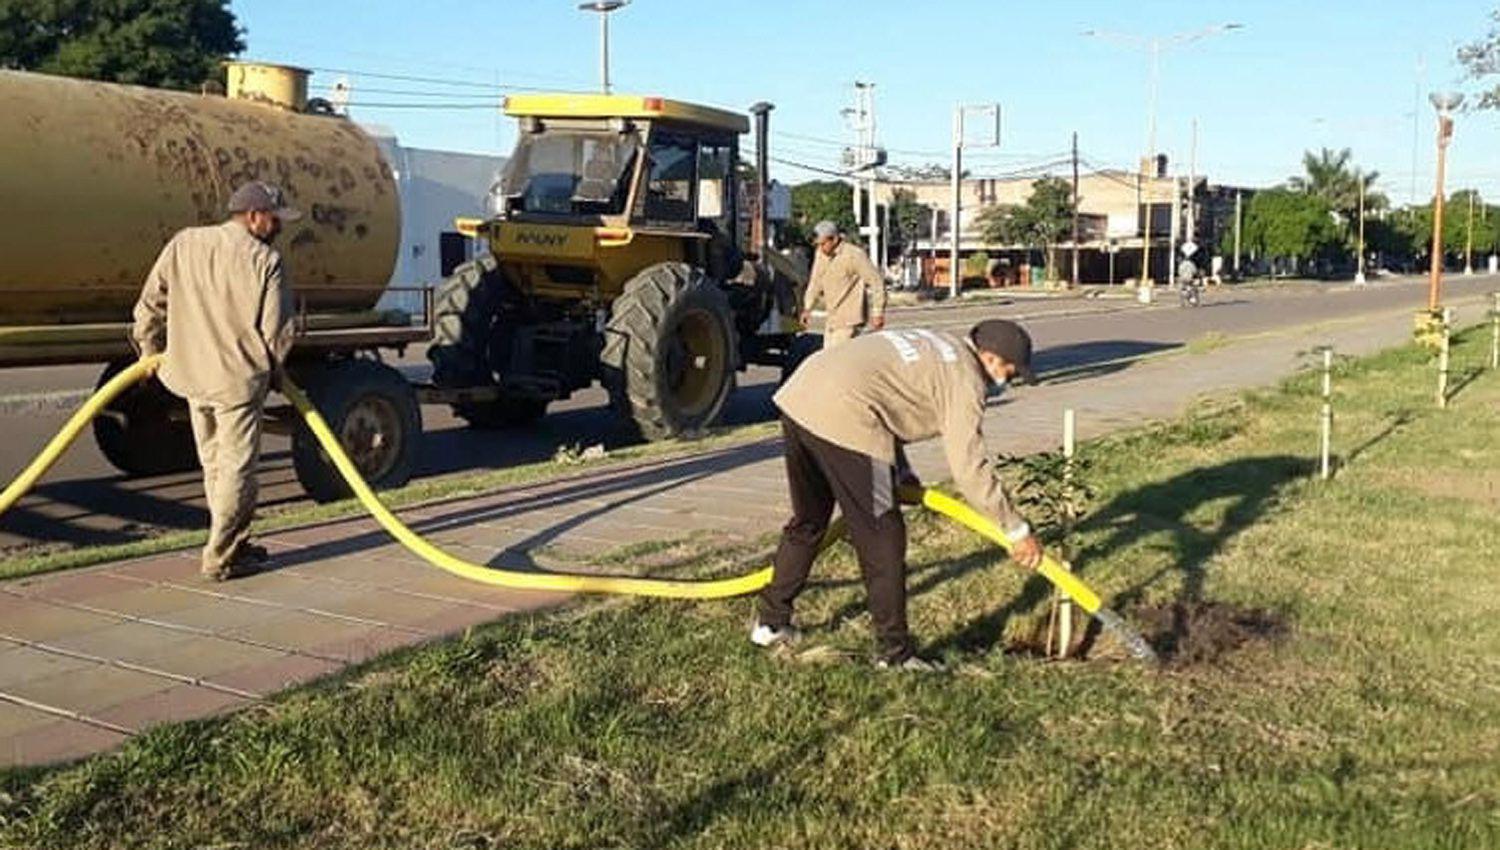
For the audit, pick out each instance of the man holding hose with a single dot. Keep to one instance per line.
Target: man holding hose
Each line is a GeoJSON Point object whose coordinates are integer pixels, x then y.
{"type": "Point", "coordinates": [219, 309]}
{"type": "Point", "coordinates": [845, 416]}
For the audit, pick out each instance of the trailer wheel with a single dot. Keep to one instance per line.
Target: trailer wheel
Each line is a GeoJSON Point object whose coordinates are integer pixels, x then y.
{"type": "Point", "coordinates": [669, 351]}
{"type": "Point", "coordinates": [375, 414]}
{"type": "Point", "coordinates": [146, 430]}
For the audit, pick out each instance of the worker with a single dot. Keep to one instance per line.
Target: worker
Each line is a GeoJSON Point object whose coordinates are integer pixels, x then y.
{"type": "Point", "coordinates": [218, 306]}
{"type": "Point", "coordinates": [852, 289]}
{"type": "Point", "coordinates": [845, 416]}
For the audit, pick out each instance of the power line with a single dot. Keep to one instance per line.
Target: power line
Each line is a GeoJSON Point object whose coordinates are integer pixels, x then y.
{"type": "Point", "coordinates": [439, 81]}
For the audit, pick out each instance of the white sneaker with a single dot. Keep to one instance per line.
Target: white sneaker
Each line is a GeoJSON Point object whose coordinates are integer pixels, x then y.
{"type": "Point", "coordinates": [764, 635]}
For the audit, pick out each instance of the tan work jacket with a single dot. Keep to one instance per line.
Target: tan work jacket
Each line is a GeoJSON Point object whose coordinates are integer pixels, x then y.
{"type": "Point", "coordinates": [904, 386]}
{"type": "Point", "coordinates": [843, 281]}
{"type": "Point", "coordinates": [217, 304]}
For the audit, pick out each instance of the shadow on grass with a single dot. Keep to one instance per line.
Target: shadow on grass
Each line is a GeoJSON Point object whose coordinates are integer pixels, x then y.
{"type": "Point", "coordinates": [1251, 487]}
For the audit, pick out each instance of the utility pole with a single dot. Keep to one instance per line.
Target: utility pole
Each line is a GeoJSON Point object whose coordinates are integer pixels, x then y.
{"type": "Point", "coordinates": [1192, 205]}
{"type": "Point", "coordinates": [1075, 209]}
{"type": "Point", "coordinates": [603, 7]}
{"type": "Point", "coordinates": [1238, 221]}
{"type": "Point", "coordinates": [1359, 267]}
{"type": "Point", "coordinates": [1469, 244]}
{"type": "Point", "coordinates": [955, 275]}
{"type": "Point", "coordinates": [1173, 229]}
{"type": "Point", "coordinates": [863, 157]}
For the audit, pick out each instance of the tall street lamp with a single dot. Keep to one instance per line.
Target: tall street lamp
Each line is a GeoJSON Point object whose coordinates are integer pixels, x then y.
{"type": "Point", "coordinates": [1444, 103]}
{"type": "Point", "coordinates": [1154, 46]}
{"type": "Point", "coordinates": [603, 7]}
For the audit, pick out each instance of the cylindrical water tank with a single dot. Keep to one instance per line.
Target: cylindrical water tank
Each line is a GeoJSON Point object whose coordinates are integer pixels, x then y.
{"type": "Point", "coordinates": [95, 177]}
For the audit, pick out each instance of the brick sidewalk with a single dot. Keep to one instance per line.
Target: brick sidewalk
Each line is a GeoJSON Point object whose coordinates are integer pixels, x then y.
{"type": "Point", "coordinates": [89, 657]}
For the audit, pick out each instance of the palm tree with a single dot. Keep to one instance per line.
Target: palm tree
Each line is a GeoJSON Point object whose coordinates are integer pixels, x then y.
{"type": "Point", "coordinates": [1331, 176]}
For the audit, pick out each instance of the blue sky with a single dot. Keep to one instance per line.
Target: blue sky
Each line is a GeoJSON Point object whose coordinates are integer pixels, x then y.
{"type": "Point", "coordinates": [1298, 75]}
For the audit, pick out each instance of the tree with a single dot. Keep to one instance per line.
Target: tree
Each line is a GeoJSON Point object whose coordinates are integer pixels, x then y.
{"type": "Point", "coordinates": [162, 43]}
{"type": "Point", "coordinates": [1331, 177]}
{"type": "Point", "coordinates": [909, 220]}
{"type": "Point", "coordinates": [1482, 60]}
{"type": "Point", "coordinates": [1041, 222]}
{"type": "Point", "coordinates": [817, 200]}
{"type": "Point", "coordinates": [1285, 224]}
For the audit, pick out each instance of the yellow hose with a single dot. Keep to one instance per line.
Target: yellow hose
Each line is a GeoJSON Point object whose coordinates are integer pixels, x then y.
{"type": "Point", "coordinates": [138, 371]}
{"type": "Point", "coordinates": [932, 499]}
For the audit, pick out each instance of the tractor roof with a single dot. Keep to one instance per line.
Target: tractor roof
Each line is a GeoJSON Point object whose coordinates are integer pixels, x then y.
{"type": "Point", "coordinates": [623, 106]}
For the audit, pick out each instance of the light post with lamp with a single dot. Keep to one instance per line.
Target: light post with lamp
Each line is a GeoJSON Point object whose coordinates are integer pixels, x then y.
{"type": "Point", "coordinates": [603, 8]}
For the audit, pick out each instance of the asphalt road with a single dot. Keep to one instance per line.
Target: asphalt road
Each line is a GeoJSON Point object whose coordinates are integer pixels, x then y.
{"type": "Point", "coordinates": [85, 501]}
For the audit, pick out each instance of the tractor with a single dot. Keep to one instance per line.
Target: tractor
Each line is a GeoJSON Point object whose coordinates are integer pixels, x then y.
{"type": "Point", "coordinates": [621, 247]}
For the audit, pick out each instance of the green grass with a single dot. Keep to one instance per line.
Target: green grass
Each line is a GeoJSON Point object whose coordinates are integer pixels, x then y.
{"type": "Point", "coordinates": [1373, 722]}
{"type": "Point", "coordinates": [54, 557]}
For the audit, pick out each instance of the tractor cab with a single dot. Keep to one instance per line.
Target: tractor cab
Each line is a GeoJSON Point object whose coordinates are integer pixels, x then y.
{"type": "Point", "coordinates": [616, 253]}
{"type": "Point", "coordinates": [598, 185]}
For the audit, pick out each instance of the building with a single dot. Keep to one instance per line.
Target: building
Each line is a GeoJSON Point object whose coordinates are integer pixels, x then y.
{"type": "Point", "coordinates": [1113, 205]}
{"type": "Point", "coordinates": [436, 187]}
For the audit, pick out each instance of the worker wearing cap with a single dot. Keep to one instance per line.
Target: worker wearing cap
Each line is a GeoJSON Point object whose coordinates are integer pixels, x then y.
{"type": "Point", "coordinates": [845, 416]}
{"type": "Point", "coordinates": [218, 307]}
{"type": "Point", "coordinates": [852, 289]}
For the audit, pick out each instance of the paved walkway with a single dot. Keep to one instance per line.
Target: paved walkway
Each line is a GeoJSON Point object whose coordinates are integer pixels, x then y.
{"type": "Point", "coordinates": [89, 657]}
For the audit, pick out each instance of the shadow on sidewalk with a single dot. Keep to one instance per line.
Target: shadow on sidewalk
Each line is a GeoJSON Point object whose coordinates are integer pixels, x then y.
{"type": "Point", "coordinates": [654, 479]}
{"type": "Point", "coordinates": [1084, 361]}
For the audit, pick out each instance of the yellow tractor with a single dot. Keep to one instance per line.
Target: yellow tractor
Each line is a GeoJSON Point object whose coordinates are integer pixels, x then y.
{"type": "Point", "coordinates": [620, 250]}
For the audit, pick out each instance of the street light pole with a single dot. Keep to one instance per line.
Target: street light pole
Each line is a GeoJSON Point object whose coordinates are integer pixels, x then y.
{"type": "Point", "coordinates": [1444, 104]}
{"type": "Point", "coordinates": [603, 8]}
{"type": "Point", "coordinates": [1154, 45]}
{"type": "Point", "coordinates": [954, 280]}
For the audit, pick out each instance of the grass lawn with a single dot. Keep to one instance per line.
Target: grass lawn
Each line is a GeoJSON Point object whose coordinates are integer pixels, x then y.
{"type": "Point", "coordinates": [1363, 711]}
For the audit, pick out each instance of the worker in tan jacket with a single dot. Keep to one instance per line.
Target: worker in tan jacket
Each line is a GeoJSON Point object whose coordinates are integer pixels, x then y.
{"type": "Point", "coordinates": [851, 288]}
{"type": "Point", "coordinates": [218, 306]}
{"type": "Point", "coordinates": [845, 414]}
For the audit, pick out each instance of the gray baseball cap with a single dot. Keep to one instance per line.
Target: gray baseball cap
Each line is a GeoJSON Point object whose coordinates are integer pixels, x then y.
{"type": "Point", "coordinates": [825, 229]}
{"type": "Point", "coordinates": [257, 195]}
{"type": "Point", "coordinates": [1007, 339]}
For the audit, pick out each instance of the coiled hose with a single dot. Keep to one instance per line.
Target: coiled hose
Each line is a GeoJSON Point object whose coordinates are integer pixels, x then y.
{"type": "Point", "coordinates": [935, 500]}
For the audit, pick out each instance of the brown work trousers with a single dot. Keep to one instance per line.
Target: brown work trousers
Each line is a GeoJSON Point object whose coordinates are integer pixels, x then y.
{"type": "Point", "coordinates": [820, 476]}
{"type": "Point", "coordinates": [228, 438]}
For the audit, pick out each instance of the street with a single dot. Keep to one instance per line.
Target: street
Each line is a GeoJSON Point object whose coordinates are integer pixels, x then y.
{"type": "Point", "coordinates": [85, 501]}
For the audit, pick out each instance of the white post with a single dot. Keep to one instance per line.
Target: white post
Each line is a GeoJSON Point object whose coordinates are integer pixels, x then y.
{"type": "Point", "coordinates": [1359, 273]}
{"type": "Point", "coordinates": [955, 274]}
{"type": "Point", "coordinates": [1495, 330]}
{"type": "Point", "coordinates": [1065, 606]}
{"type": "Point", "coordinates": [1442, 392]}
{"type": "Point", "coordinates": [1238, 220]}
{"type": "Point", "coordinates": [1327, 442]}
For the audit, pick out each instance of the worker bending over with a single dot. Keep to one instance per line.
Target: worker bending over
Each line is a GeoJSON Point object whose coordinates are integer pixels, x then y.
{"type": "Point", "coordinates": [845, 414]}
{"type": "Point", "coordinates": [218, 306]}
{"type": "Point", "coordinates": [852, 289]}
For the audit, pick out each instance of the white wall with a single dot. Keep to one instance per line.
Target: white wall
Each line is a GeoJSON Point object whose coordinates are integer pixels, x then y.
{"type": "Point", "coordinates": [435, 187]}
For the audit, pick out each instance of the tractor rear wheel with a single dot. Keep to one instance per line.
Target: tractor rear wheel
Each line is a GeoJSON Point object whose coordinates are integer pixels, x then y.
{"type": "Point", "coordinates": [669, 351]}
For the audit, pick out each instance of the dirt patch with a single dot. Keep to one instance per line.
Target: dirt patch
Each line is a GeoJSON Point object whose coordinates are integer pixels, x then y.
{"type": "Point", "coordinates": [1187, 634]}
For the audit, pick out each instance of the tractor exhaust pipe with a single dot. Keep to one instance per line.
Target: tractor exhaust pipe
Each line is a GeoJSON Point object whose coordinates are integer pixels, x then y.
{"type": "Point", "coordinates": [760, 233]}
